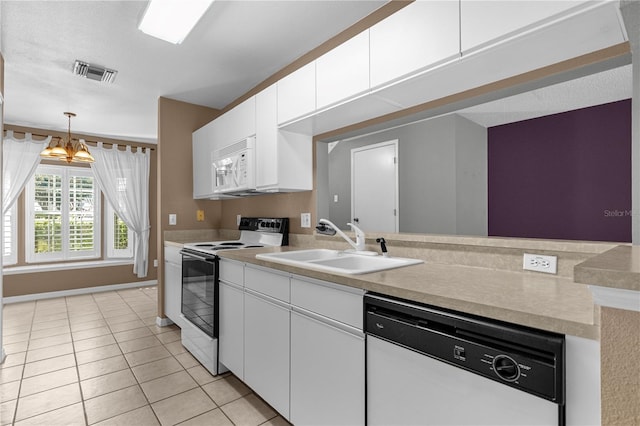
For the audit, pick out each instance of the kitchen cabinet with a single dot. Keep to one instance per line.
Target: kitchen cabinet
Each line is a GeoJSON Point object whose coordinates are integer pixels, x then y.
{"type": "Point", "coordinates": [173, 284]}
{"type": "Point", "coordinates": [203, 147]}
{"type": "Point", "coordinates": [485, 22]}
{"type": "Point", "coordinates": [267, 337]}
{"type": "Point", "coordinates": [343, 72]}
{"type": "Point", "coordinates": [284, 160]}
{"type": "Point", "coordinates": [325, 351]}
{"type": "Point", "coordinates": [238, 123]}
{"type": "Point", "coordinates": [297, 93]}
{"type": "Point", "coordinates": [421, 35]}
{"type": "Point", "coordinates": [231, 327]}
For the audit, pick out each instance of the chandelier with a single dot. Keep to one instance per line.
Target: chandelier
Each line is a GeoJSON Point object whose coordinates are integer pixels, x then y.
{"type": "Point", "coordinates": [71, 150]}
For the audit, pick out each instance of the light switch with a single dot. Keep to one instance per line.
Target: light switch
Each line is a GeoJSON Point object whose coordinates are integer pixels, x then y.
{"type": "Point", "coordinates": [173, 218]}
{"type": "Point", "coordinates": [200, 215]}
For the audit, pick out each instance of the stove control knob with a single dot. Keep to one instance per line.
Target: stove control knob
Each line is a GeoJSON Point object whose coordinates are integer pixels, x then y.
{"type": "Point", "coordinates": [506, 368]}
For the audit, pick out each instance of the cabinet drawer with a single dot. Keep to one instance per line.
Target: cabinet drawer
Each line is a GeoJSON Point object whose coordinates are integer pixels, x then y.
{"type": "Point", "coordinates": [232, 272]}
{"type": "Point", "coordinates": [267, 282]}
{"type": "Point", "coordinates": [337, 302]}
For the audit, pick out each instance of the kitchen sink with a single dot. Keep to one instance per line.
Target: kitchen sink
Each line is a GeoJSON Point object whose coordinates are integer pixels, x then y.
{"type": "Point", "coordinates": [342, 262]}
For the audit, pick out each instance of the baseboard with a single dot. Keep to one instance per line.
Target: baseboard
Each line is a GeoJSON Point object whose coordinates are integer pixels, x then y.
{"type": "Point", "coordinates": [77, 291]}
{"type": "Point", "coordinates": [163, 322]}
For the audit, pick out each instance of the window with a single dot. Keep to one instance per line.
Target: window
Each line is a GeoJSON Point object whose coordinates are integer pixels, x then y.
{"type": "Point", "coordinates": [9, 234]}
{"type": "Point", "coordinates": [119, 236]}
{"type": "Point", "coordinates": [62, 214]}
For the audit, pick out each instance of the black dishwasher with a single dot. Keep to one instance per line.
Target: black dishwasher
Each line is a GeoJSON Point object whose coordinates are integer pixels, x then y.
{"type": "Point", "coordinates": [426, 365]}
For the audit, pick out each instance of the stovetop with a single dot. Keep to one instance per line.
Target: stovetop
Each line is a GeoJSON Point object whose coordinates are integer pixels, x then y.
{"type": "Point", "coordinates": [254, 233]}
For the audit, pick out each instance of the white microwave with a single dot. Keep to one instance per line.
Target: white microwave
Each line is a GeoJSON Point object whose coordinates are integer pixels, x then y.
{"type": "Point", "coordinates": [234, 170]}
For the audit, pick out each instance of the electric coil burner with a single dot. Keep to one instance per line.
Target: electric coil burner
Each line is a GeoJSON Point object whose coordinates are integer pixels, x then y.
{"type": "Point", "coordinates": [200, 283]}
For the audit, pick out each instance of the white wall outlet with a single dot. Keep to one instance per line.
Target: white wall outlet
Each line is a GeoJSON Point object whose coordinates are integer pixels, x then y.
{"type": "Point", "coordinates": [305, 220]}
{"type": "Point", "coordinates": [335, 198]}
{"type": "Point", "coordinates": [540, 263]}
{"type": "Point", "coordinates": [155, 263]}
{"type": "Point", "coordinates": [238, 217]}
{"type": "Point", "coordinates": [173, 218]}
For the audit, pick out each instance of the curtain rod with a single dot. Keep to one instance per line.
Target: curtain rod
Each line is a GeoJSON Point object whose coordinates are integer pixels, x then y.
{"type": "Point", "coordinates": [89, 142]}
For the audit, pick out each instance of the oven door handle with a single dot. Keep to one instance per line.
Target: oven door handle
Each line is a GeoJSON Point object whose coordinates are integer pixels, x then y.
{"type": "Point", "coordinates": [205, 259]}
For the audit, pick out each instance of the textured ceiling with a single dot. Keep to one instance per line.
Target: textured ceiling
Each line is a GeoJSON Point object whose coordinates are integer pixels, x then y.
{"type": "Point", "coordinates": [236, 45]}
{"type": "Point", "coordinates": [596, 89]}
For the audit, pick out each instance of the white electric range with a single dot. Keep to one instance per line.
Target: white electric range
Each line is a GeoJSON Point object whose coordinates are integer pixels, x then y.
{"type": "Point", "coordinates": [200, 286]}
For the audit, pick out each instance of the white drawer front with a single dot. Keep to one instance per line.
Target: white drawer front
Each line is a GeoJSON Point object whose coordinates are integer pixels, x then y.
{"type": "Point", "coordinates": [232, 272]}
{"type": "Point", "coordinates": [266, 282]}
{"type": "Point", "coordinates": [329, 300]}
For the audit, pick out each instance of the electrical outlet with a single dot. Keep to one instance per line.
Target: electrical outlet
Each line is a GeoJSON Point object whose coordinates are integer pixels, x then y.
{"type": "Point", "coordinates": [155, 263]}
{"type": "Point", "coordinates": [200, 215]}
{"type": "Point", "coordinates": [305, 220]}
{"type": "Point", "coordinates": [238, 217]}
{"type": "Point", "coordinates": [540, 263]}
{"type": "Point", "coordinates": [173, 218]}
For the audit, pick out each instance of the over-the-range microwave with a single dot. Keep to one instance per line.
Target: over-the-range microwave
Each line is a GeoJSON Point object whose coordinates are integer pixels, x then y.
{"type": "Point", "coordinates": [234, 168]}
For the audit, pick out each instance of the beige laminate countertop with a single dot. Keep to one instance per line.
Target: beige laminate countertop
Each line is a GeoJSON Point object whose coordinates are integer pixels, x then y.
{"type": "Point", "coordinates": [615, 268]}
{"type": "Point", "coordinates": [545, 302]}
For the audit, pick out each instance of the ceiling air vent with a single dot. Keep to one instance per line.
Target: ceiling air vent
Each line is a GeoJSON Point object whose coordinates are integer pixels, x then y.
{"type": "Point", "coordinates": [94, 72]}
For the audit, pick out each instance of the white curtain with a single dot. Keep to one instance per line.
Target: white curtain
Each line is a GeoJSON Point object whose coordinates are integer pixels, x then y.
{"type": "Point", "coordinates": [20, 158]}
{"type": "Point", "coordinates": [123, 177]}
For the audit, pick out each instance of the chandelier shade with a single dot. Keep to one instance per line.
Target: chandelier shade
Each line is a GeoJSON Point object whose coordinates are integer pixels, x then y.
{"type": "Point", "coordinates": [71, 150]}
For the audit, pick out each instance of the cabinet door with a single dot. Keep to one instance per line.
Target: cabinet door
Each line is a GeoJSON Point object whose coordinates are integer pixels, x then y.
{"type": "Point", "coordinates": [327, 374]}
{"type": "Point", "coordinates": [231, 332]}
{"type": "Point", "coordinates": [417, 36]}
{"type": "Point", "coordinates": [202, 162]}
{"type": "Point", "coordinates": [240, 122]}
{"type": "Point", "coordinates": [297, 93]}
{"type": "Point", "coordinates": [266, 344]}
{"type": "Point", "coordinates": [172, 292]}
{"type": "Point", "coordinates": [266, 138]}
{"type": "Point", "coordinates": [343, 72]}
{"type": "Point", "coordinates": [486, 21]}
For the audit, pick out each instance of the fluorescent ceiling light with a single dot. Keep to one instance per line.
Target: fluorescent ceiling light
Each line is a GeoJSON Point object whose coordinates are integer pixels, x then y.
{"type": "Point", "coordinates": [172, 20]}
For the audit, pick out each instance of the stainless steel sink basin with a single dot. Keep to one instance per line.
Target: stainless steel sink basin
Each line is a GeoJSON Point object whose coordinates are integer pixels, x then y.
{"type": "Point", "coordinates": [337, 261]}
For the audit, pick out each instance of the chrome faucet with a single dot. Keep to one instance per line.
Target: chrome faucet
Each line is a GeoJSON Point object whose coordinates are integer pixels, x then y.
{"type": "Point", "coordinates": [326, 227]}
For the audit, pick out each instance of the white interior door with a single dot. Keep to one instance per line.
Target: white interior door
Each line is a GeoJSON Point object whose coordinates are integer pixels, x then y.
{"type": "Point", "coordinates": [374, 187]}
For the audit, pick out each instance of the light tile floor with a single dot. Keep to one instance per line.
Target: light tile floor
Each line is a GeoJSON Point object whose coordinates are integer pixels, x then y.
{"type": "Point", "coordinates": [100, 359]}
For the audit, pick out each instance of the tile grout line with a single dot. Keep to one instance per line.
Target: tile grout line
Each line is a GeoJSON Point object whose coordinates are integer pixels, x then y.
{"type": "Point", "coordinates": [24, 365]}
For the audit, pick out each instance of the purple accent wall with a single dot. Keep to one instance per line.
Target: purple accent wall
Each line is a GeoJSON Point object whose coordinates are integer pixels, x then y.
{"type": "Point", "coordinates": [563, 176]}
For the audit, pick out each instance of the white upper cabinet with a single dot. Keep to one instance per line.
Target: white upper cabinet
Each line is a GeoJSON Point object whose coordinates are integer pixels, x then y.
{"type": "Point", "coordinates": [240, 122]}
{"type": "Point", "coordinates": [418, 36]}
{"type": "Point", "coordinates": [343, 72]}
{"type": "Point", "coordinates": [484, 22]}
{"type": "Point", "coordinates": [203, 146]}
{"type": "Point", "coordinates": [297, 93]}
{"type": "Point", "coordinates": [284, 160]}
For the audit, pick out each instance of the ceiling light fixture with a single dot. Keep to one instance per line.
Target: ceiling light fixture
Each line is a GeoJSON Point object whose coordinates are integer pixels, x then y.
{"type": "Point", "coordinates": [172, 20]}
{"type": "Point", "coordinates": [71, 151]}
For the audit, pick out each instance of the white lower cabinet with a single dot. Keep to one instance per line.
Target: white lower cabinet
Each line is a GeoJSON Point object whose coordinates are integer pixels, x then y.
{"type": "Point", "coordinates": [327, 372]}
{"type": "Point", "coordinates": [173, 284]}
{"type": "Point", "coordinates": [231, 331]}
{"type": "Point", "coordinates": [266, 349]}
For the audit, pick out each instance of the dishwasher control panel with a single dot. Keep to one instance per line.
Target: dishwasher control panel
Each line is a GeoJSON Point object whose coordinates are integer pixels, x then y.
{"type": "Point", "coordinates": [526, 359]}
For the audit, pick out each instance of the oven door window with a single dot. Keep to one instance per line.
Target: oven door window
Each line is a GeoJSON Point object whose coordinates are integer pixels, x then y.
{"type": "Point", "coordinates": [198, 293]}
